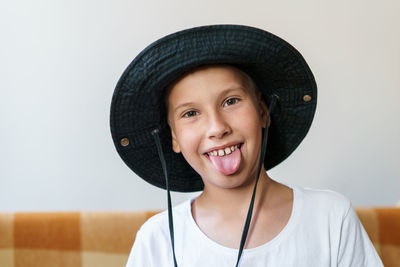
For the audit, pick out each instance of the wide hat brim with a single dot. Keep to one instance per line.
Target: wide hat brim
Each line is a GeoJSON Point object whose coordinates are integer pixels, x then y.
{"type": "Point", "coordinates": [138, 102]}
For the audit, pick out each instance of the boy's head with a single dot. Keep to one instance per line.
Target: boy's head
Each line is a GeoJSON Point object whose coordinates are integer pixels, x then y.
{"type": "Point", "coordinates": [137, 107]}
{"type": "Point", "coordinates": [216, 116]}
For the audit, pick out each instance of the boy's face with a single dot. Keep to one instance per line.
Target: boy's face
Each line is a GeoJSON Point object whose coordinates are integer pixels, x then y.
{"type": "Point", "coordinates": [216, 120]}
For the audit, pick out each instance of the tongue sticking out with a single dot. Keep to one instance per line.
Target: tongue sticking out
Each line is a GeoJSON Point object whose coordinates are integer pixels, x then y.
{"type": "Point", "coordinates": [227, 164]}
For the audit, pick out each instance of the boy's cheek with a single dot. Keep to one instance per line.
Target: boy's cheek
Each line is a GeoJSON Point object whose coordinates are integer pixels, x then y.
{"type": "Point", "coordinates": [182, 139]}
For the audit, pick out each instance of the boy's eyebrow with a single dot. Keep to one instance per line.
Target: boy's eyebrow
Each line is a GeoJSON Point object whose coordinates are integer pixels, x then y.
{"type": "Point", "coordinates": [183, 105]}
{"type": "Point", "coordinates": [224, 92]}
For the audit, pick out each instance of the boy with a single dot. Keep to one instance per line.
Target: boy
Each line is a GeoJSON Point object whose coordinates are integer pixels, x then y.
{"type": "Point", "coordinates": [200, 93]}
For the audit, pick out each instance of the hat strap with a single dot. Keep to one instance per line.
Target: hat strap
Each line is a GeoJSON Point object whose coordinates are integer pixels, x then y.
{"type": "Point", "coordinates": [164, 167]}
{"type": "Point", "coordinates": [262, 156]}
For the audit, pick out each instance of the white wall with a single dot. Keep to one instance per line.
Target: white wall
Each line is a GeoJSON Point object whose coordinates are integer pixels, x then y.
{"type": "Point", "coordinates": [60, 61]}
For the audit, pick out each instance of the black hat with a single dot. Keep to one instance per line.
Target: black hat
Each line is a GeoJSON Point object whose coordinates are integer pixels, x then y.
{"type": "Point", "coordinates": [138, 107]}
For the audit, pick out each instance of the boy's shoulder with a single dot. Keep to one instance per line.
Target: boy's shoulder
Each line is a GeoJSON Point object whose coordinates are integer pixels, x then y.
{"type": "Point", "coordinates": [324, 199]}
{"type": "Point", "coordinates": [153, 237]}
{"type": "Point", "coordinates": [158, 224]}
{"type": "Point", "coordinates": [323, 194]}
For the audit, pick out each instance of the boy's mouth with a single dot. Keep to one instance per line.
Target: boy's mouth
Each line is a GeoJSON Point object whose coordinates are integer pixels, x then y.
{"type": "Point", "coordinates": [225, 160]}
{"type": "Point", "coordinates": [224, 151]}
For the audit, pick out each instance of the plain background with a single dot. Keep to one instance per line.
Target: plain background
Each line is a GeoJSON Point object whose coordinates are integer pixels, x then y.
{"type": "Point", "coordinates": [60, 62]}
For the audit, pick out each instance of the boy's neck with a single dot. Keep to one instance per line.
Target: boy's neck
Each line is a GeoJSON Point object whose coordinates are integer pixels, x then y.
{"type": "Point", "coordinates": [236, 200]}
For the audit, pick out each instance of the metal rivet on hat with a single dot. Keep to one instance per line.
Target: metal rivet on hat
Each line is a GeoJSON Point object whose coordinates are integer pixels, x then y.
{"type": "Point", "coordinates": [307, 98]}
{"type": "Point", "coordinates": [124, 141]}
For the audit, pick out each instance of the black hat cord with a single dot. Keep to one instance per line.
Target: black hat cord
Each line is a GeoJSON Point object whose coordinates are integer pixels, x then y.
{"type": "Point", "coordinates": [164, 167]}
{"type": "Point", "coordinates": [262, 157]}
{"type": "Point", "coordinates": [250, 211]}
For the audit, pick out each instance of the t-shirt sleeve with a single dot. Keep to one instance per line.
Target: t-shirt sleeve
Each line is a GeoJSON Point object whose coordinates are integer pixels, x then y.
{"type": "Point", "coordinates": [139, 255]}
{"type": "Point", "coordinates": [355, 248]}
{"type": "Point", "coordinates": [152, 244]}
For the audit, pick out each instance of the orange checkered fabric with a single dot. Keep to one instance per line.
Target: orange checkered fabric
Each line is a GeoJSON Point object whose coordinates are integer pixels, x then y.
{"type": "Point", "coordinates": [97, 239]}
{"type": "Point", "coordinates": [72, 239]}
{"type": "Point", "coordinates": [383, 228]}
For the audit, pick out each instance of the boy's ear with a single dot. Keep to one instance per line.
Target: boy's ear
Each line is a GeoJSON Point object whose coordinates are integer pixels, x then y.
{"type": "Point", "coordinates": [263, 110]}
{"type": "Point", "coordinates": [175, 145]}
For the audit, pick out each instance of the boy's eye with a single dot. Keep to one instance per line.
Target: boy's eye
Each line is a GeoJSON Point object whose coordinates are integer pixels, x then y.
{"type": "Point", "coordinates": [231, 101]}
{"type": "Point", "coordinates": [190, 113]}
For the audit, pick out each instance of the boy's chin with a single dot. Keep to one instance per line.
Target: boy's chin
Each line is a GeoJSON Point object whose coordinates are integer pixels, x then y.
{"type": "Point", "coordinates": [234, 181]}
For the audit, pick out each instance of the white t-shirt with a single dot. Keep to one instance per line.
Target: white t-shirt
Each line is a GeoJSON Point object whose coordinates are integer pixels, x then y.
{"type": "Point", "coordinates": [323, 230]}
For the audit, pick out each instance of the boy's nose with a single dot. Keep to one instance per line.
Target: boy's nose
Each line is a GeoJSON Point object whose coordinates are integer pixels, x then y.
{"type": "Point", "coordinates": [218, 127]}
